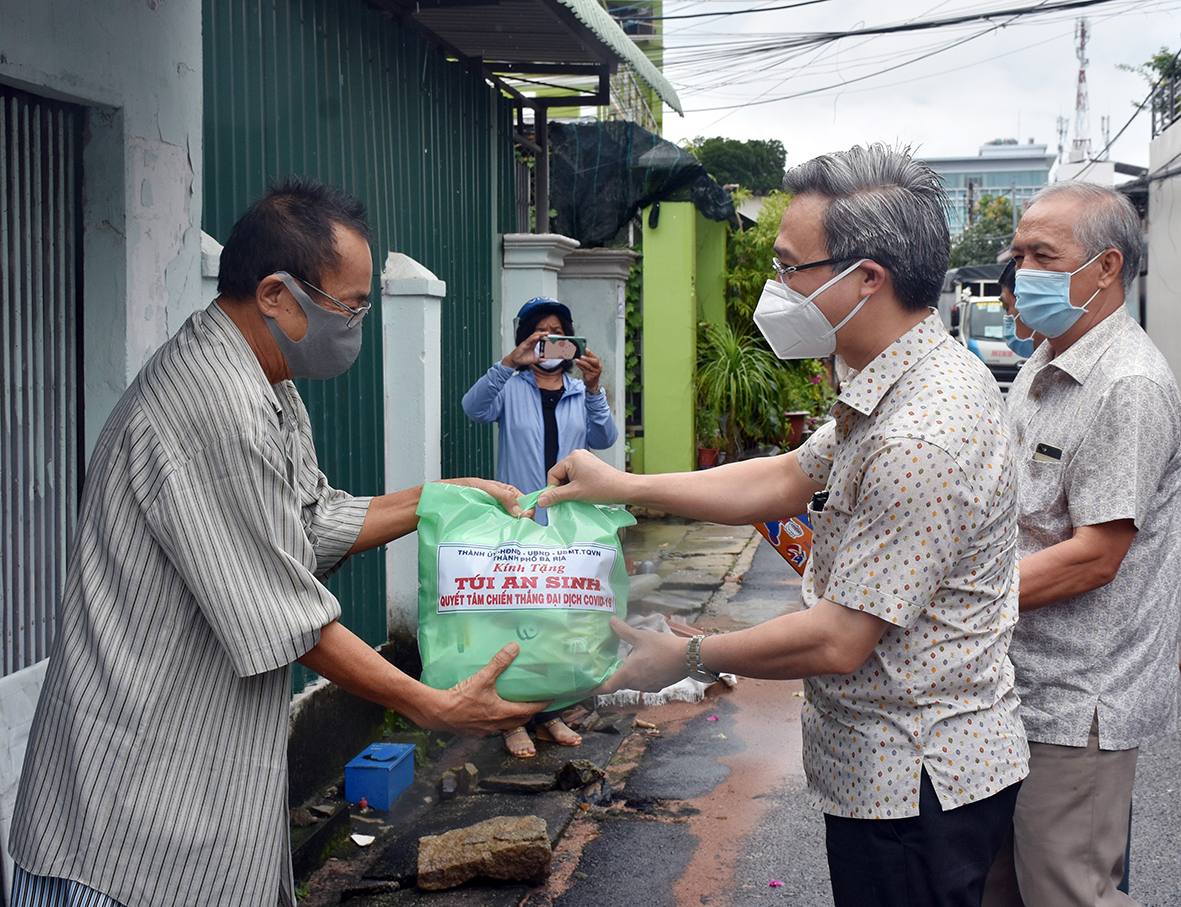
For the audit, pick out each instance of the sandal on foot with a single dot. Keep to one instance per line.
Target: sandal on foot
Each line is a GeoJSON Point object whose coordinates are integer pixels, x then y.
{"type": "Point", "coordinates": [549, 731]}
{"type": "Point", "coordinates": [518, 744]}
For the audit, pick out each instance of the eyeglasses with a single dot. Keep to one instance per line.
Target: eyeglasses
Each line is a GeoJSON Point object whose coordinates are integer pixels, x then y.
{"type": "Point", "coordinates": [356, 314]}
{"type": "Point", "coordinates": [783, 271]}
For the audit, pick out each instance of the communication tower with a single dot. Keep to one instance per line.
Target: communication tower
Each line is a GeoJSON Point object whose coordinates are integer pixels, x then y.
{"type": "Point", "coordinates": [1080, 148]}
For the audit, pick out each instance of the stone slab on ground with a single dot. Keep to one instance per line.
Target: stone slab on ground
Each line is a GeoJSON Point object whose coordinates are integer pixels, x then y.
{"type": "Point", "coordinates": [677, 601]}
{"type": "Point", "coordinates": [399, 862]}
{"type": "Point", "coordinates": [653, 539]}
{"type": "Point", "coordinates": [518, 784]}
{"type": "Point", "coordinates": [515, 849]}
{"type": "Point", "coordinates": [710, 563]}
{"type": "Point", "coordinates": [698, 543]}
{"type": "Point", "coordinates": [682, 577]}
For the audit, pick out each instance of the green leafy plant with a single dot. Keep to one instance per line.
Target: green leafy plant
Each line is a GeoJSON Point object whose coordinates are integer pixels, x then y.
{"type": "Point", "coordinates": [1158, 69]}
{"type": "Point", "coordinates": [756, 164]}
{"type": "Point", "coordinates": [709, 430]}
{"type": "Point", "coordinates": [991, 231]}
{"type": "Point", "coordinates": [633, 331]}
{"type": "Point", "coordinates": [737, 377]}
{"type": "Point", "coordinates": [806, 386]}
{"type": "Point", "coordinates": [748, 261]}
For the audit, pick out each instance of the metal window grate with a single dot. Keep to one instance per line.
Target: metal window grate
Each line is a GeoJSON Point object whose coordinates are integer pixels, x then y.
{"type": "Point", "coordinates": [40, 229]}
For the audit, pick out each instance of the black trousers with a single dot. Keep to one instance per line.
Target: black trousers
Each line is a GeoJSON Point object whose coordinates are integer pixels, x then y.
{"type": "Point", "coordinates": [934, 859]}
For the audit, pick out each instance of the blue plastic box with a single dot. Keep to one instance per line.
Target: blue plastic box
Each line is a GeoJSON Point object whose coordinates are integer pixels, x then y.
{"type": "Point", "coordinates": [379, 773]}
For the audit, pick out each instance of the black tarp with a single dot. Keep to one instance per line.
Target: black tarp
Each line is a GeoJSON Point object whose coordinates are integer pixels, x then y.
{"type": "Point", "coordinates": [601, 174]}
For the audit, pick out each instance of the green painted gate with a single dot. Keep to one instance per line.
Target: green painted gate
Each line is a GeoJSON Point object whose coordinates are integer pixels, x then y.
{"type": "Point", "coordinates": [340, 92]}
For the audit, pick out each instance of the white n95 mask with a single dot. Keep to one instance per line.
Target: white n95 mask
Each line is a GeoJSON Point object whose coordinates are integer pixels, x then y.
{"type": "Point", "coordinates": [793, 325]}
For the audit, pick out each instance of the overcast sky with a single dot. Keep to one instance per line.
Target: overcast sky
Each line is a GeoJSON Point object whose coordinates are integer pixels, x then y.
{"type": "Point", "coordinates": [1014, 81]}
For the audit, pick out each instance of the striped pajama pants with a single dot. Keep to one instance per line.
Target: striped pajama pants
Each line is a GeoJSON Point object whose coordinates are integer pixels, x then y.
{"type": "Point", "coordinates": [29, 890]}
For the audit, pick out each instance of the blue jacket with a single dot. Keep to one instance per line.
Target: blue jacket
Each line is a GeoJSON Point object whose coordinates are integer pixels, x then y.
{"type": "Point", "coordinates": [512, 399]}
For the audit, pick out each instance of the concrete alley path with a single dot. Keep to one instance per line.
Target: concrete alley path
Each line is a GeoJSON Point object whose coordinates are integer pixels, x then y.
{"type": "Point", "coordinates": [717, 809]}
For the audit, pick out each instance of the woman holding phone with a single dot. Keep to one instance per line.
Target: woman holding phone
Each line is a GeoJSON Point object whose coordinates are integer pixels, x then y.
{"type": "Point", "coordinates": [544, 413]}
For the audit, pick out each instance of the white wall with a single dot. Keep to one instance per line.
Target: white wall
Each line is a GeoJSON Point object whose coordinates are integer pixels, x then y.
{"type": "Point", "coordinates": [18, 699]}
{"type": "Point", "coordinates": [1163, 285]}
{"type": "Point", "coordinates": [135, 65]}
{"type": "Point", "coordinates": [1101, 173]}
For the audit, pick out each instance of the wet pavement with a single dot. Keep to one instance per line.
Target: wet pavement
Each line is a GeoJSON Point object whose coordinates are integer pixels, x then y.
{"type": "Point", "coordinates": [709, 806]}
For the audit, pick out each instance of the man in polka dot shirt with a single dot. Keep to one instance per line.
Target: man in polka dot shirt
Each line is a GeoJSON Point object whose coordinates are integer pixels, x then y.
{"type": "Point", "coordinates": [913, 747]}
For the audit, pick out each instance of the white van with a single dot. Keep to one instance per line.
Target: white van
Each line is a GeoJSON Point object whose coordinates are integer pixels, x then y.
{"type": "Point", "coordinates": [971, 308]}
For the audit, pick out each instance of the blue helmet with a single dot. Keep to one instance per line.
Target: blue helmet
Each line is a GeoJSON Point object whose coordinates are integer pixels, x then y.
{"type": "Point", "coordinates": [540, 306]}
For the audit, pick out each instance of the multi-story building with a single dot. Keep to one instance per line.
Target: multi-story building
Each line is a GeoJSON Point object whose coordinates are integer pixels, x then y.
{"type": "Point", "coordinates": [1001, 167]}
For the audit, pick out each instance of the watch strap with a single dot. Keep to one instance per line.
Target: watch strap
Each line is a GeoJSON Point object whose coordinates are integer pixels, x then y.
{"type": "Point", "coordinates": [697, 670]}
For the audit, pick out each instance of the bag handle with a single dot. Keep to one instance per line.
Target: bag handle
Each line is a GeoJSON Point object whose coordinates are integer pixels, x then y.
{"type": "Point", "coordinates": [617, 516]}
{"type": "Point", "coordinates": [526, 501]}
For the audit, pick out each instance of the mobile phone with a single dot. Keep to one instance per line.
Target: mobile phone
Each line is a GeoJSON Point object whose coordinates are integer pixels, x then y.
{"type": "Point", "coordinates": [556, 346]}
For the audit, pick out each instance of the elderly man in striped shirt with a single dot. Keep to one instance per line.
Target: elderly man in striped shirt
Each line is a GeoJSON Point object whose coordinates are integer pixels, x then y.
{"type": "Point", "coordinates": [156, 772]}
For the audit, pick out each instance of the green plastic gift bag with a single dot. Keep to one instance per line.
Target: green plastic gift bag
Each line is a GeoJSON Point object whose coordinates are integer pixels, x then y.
{"type": "Point", "coordinates": [487, 579]}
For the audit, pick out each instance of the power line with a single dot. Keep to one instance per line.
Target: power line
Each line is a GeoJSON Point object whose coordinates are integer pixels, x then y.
{"type": "Point", "coordinates": [760, 52]}
{"type": "Point", "coordinates": [730, 12]}
{"type": "Point", "coordinates": [800, 94]}
{"type": "Point", "coordinates": [711, 47]}
{"type": "Point", "coordinates": [821, 37]}
{"type": "Point", "coordinates": [1139, 109]}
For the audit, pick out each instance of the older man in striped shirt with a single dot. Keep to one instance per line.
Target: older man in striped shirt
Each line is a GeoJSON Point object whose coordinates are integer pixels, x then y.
{"type": "Point", "coordinates": [156, 772]}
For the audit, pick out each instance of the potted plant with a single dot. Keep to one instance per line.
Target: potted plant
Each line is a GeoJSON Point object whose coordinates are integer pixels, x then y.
{"type": "Point", "coordinates": [806, 397]}
{"type": "Point", "coordinates": [709, 439]}
{"type": "Point", "coordinates": [737, 377]}
{"type": "Point", "coordinates": [794, 420]}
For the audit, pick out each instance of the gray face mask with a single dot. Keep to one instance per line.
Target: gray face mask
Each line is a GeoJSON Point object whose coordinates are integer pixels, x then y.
{"type": "Point", "coordinates": [330, 345]}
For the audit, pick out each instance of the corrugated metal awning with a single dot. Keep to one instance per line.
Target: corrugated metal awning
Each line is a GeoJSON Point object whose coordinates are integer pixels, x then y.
{"type": "Point", "coordinates": [516, 38]}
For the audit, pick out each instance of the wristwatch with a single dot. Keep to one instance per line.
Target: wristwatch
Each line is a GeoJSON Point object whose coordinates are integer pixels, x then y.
{"type": "Point", "coordinates": [697, 670]}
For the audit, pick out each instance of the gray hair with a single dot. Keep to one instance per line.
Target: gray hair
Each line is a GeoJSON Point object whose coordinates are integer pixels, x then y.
{"type": "Point", "coordinates": [1108, 221]}
{"type": "Point", "coordinates": [884, 206]}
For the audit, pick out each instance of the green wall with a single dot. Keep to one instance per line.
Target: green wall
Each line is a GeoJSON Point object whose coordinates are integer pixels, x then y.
{"type": "Point", "coordinates": [345, 94]}
{"type": "Point", "coordinates": [711, 270]}
{"type": "Point", "coordinates": [670, 338]}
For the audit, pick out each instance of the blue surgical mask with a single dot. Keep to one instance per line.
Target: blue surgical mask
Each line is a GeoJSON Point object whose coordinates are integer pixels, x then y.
{"type": "Point", "coordinates": [1043, 300]}
{"type": "Point", "coordinates": [1023, 348]}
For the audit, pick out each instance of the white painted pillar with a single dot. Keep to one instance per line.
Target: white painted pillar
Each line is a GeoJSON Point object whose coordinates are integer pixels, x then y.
{"type": "Point", "coordinates": [592, 283]}
{"type": "Point", "coordinates": [210, 270]}
{"type": "Point", "coordinates": [531, 265]}
{"type": "Point", "coordinates": [411, 314]}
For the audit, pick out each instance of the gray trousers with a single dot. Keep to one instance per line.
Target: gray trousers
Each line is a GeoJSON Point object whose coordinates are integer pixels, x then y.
{"type": "Point", "coordinates": [1070, 829]}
